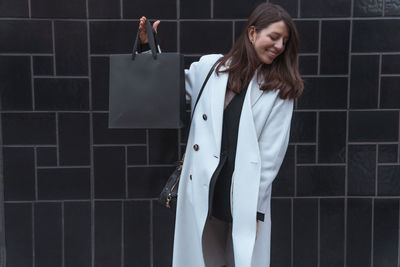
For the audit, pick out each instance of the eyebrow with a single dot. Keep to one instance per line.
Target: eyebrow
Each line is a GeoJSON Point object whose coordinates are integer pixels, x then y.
{"type": "Point", "coordinates": [287, 37]}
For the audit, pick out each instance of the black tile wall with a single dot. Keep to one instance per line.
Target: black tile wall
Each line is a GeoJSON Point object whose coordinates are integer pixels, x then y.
{"type": "Point", "coordinates": [78, 193]}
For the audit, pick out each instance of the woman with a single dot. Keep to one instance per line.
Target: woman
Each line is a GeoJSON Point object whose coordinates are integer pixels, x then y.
{"type": "Point", "coordinates": [236, 145]}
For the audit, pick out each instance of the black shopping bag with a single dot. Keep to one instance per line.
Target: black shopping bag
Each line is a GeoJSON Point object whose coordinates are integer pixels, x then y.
{"type": "Point", "coordinates": [146, 90]}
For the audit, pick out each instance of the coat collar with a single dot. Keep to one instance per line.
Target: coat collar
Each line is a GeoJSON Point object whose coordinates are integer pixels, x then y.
{"type": "Point", "coordinates": [217, 85]}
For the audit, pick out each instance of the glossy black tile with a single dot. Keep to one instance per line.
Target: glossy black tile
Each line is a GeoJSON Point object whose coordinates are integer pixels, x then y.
{"type": "Point", "coordinates": [320, 8]}
{"type": "Point", "coordinates": [368, 8]}
{"type": "Point", "coordinates": [283, 184]}
{"type": "Point", "coordinates": [324, 93]}
{"type": "Point", "coordinates": [108, 239]}
{"type": "Point", "coordinates": [303, 128]}
{"type": "Point", "coordinates": [19, 173]}
{"type": "Point", "coordinates": [109, 37]}
{"type": "Point", "coordinates": [48, 234]}
{"type": "Point", "coordinates": [388, 180]}
{"type": "Point", "coordinates": [137, 155]}
{"type": "Point", "coordinates": [147, 182]}
{"type": "Point", "coordinates": [332, 137]}
{"type": "Point", "coordinates": [306, 154]}
{"type": "Point", "coordinates": [46, 156]}
{"type": "Point", "coordinates": [361, 170]}
{"type": "Point", "coordinates": [188, 60]}
{"type": "Point", "coordinates": [74, 138]}
{"type": "Point", "coordinates": [15, 80]}
{"type": "Point", "coordinates": [234, 9]}
{"type": "Point", "coordinates": [371, 126]}
{"type": "Point", "coordinates": [63, 183]}
{"type": "Point", "coordinates": [211, 37]}
{"type": "Point", "coordinates": [104, 135]}
{"type": "Point", "coordinates": [18, 222]}
{"type": "Point", "coordinates": [25, 36]}
{"type": "Point", "coordinates": [195, 9]}
{"type": "Point", "coordinates": [58, 8]}
{"type": "Point", "coordinates": [100, 82]}
{"type": "Point", "coordinates": [387, 153]}
{"type": "Point", "coordinates": [109, 172]}
{"type": "Point", "coordinates": [390, 64]}
{"type": "Point", "coordinates": [164, 10]}
{"type": "Point", "coordinates": [167, 36]}
{"type": "Point", "coordinates": [239, 28]}
{"type": "Point", "coordinates": [390, 92]}
{"type": "Point", "coordinates": [305, 232]}
{"type": "Point", "coordinates": [14, 8]}
{"type": "Point", "coordinates": [309, 36]}
{"type": "Point", "coordinates": [332, 228]}
{"type": "Point", "coordinates": [386, 232]}
{"type": "Point", "coordinates": [137, 233]}
{"type": "Point", "coordinates": [43, 65]}
{"type": "Point", "coordinates": [104, 9]}
{"type": "Point", "coordinates": [61, 94]}
{"type": "Point", "coordinates": [71, 48]}
{"type": "Point", "coordinates": [320, 180]}
{"type": "Point", "coordinates": [364, 81]}
{"type": "Point", "coordinates": [308, 65]}
{"type": "Point", "coordinates": [163, 146]}
{"type": "Point", "coordinates": [368, 36]}
{"type": "Point", "coordinates": [359, 232]}
{"type": "Point", "coordinates": [77, 234]}
{"type": "Point", "coordinates": [392, 8]}
{"type": "Point", "coordinates": [291, 6]}
{"type": "Point", "coordinates": [28, 128]}
{"type": "Point", "coordinates": [281, 232]}
{"type": "Point", "coordinates": [163, 235]}
{"type": "Point", "coordinates": [334, 55]}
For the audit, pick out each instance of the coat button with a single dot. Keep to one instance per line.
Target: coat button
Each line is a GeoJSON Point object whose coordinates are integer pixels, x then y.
{"type": "Point", "coordinates": [196, 147]}
{"type": "Point", "coordinates": [204, 117]}
{"type": "Point", "coordinates": [190, 176]}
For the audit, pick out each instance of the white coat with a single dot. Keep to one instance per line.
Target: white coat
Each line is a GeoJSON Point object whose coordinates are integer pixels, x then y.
{"type": "Point", "coordinates": [262, 142]}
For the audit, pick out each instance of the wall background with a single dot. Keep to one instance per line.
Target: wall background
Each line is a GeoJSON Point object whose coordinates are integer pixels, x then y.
{"type": "Point", "coordinates": [79, 194]}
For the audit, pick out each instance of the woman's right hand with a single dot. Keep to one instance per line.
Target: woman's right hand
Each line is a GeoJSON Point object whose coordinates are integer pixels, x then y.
{"type": "Point", "coordinates": [143, 31]}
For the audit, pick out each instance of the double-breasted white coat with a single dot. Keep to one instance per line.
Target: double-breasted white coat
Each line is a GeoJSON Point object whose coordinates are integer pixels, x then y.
{"type": "Point", "coordinates": [262, 142]}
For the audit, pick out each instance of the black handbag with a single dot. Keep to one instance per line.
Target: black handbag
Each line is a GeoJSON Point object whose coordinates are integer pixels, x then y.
{"type": "Point", "coordinates": [169, 194]}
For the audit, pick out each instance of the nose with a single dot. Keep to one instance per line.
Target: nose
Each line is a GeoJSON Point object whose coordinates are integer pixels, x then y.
{"type": "Point", "coordinates": [279, 44]}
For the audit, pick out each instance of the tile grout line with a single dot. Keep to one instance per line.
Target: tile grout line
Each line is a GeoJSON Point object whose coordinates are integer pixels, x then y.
{"type": "Point", "coordinates": [212, 9]}
{"type": "Point", "coordinates": [398, 237]}
{"type": "Point", "coordinates": [372, 232]}
{"type": "Point", "coordinates": [32, 84]}
{"type": "Point", "coordinates": [121, 8]}
{"type": "Point", "coordinates": [57, 140]}
{"type": "Point", "coordinates": [122, 234]}
{"type": "Point", "coordinates": [316, 138]}
{"type": "Point", "coordinates": [319, 234]}
{"type": "Point", "coordinates": [147, 148]}
{"type": "Point", "coordinates": [33, 234]}
{"type": "Point", "coordinates": [291, 232]}
{"type": "Point", "coordinates": [319, 48]}
{"type": "Point", "coordinates": [53, 35]}
{"type": "Point", "coordinates": [62, 234]}
{"type": "Point", "coordinates": [126, 172]}
{"type": "Point", "coordinates": [298, 8]}
{"type": "Point", "coordinates": [379, 81]}
{"type": "Point", "coordinates": [151, 235]}
{"type": "Point", "coordinates": [29, 9]}
{"type": "Point", "coordinates": [398, 147]}
{"type": "Point", "coordinates": [36, 171]}
{"type": "Point", "coordinates": [178, 26]}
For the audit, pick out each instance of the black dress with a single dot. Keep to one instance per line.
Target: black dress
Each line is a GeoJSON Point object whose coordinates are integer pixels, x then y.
{"type": "Point", "coordinates": [220, 185]}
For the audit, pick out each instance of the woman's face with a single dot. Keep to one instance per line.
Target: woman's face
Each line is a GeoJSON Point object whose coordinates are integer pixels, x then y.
{"type": "Point", "coordinates": [269, 42]}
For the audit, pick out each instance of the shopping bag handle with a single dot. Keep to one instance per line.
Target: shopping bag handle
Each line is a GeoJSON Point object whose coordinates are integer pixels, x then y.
{"type": "Point", "coordinates": [150, 37]}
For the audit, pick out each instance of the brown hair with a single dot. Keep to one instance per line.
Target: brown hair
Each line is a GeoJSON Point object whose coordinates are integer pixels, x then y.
{"type": "Point", "coordinates": [242, 59]}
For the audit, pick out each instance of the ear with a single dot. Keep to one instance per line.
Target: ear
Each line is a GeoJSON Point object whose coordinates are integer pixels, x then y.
{"type": "Point", "coordinates": [251, 33]}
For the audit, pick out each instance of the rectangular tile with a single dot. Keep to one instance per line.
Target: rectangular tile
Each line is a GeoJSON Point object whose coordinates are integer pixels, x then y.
{"type": "Point", "coordinates": [390, 64]}
{"type": "Point", "coordinates": [104, 9]}
{"type": "Point", "coordinates": [109, 172]}
{"type": "Point", "coordinates": [74, 138]}
{"type": "Point", "coordinates": [388, 180]}
{"type": "Point", "coordinates": [332, 227]}
{"type": "Point", "coordinates": [386, 232]}
{"type": "Point", "coordinates": [387, 153]}
{"type": "Point", "coordinates": [195, 9]}
{"type": "Point", "coordinates": [58, 8]}
{"type": "Point", "coordinates": [19, 173]}
{"type": "Point", "coordinates": [137, 233]}
{"type": "Point", "coordinates": [163, 146]}
{"type": "Point", "coordinates": [18, 225]}
{"type": "Point", "coordinates": [281, 232]}
{"type": "Point", "coordinates": [290, 6]}
{"type": "Point", "coordinates": [25, 36]}
{"type": "Point", "coordinates": [28, 128]}
{"type": "Point", "coordinates": [370, 8]}
{"type": "Point", "coordinates": [63, 183]}
{"type": "Point", "coordinates": [108, 239]}
{"type": "Point", "coordinates": [48, 234]}
{"type": "Point", "coordinates": [137, 155]}
{"type": "Point", "coordinates": [368, 36]}
{"type": "Point", "coordinates": [71, 47]}
{"type": "Point", "coordinates": [100, 82]}
{"type": "Point", "coordinates": [164, 10]}
{"type": "Point", "coordinates": [359, 232]}
{"type": "Point", "coordinates": [306, 154]}
{"type": "Point", "coordinates": [163, 235]}
{"type": "Point", "coordinates": [14, 8]}
{"type": "Point", "coordinates": [147, 182]}
{"type": "Point", "coordinates": [43, 65]}
{"type": "Point", "coordinates": [390, 92]}
{"type": "Point", "coordinates": [373, 126]}
{"type": "Point", "coordinates": [61, 94]}
{"type": "Point", "coordinates": [234, 9]}
{"type": "Point", "coordinates": [305, 235]}
{"type": "Point", "coordinates": [309, 36]}
{"type": "Point", "coordinates": [332, 137]}
{"type": "Point", "coordinates": [283, 184]}
{"type": "Point", "coordinates": [15, 79]}
{"type": "Point", "coordinates": [320, 8]}
{"type": "Point", "coordinates": [46, 156]}
{"type": "Point", "coordinates": [77, 234]}
{"type": "Point", "coordinates": [392, 8]}
{"type": "Point", "coordinates": [320, 180]}
{"type": "Point", "coordinates": [361, 170]}
{"type": "Point", "coordinates": [303, 127]}
{"type": "Point", "coordinates": [364, 81]}
{"type": "Point", "coordinates": [308, 65]}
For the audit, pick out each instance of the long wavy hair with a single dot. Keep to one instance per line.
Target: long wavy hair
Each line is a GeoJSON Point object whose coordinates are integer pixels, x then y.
{"type": "Point", "coordinates": [242, 60]}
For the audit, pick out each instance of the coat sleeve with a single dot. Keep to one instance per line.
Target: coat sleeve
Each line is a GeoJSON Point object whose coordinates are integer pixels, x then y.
{"type": "Point", "coordinates": [273, 143]}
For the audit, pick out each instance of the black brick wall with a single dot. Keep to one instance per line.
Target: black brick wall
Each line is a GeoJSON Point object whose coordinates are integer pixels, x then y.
{"type": "Point", "coordinates": [79, 194]}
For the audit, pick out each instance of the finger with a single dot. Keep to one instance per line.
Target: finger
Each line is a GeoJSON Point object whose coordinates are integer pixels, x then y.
{"type": "Point", "coordinates": [155, 25]}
